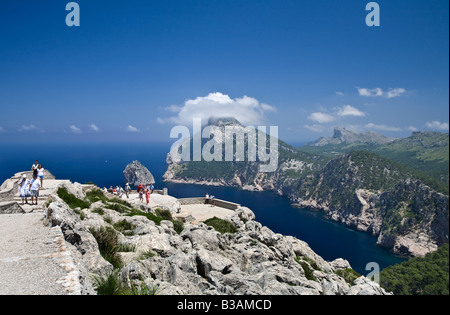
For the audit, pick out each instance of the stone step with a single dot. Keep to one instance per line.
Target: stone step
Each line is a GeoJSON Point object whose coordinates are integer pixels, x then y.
{"type": "Point", "coordinates": [10, 207]}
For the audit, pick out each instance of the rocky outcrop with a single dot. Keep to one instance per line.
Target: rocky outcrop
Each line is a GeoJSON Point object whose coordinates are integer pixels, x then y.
{"type": "Point", "coordinates": [200, 260]}
{"type": "Point", "coordinates": [135, 173]}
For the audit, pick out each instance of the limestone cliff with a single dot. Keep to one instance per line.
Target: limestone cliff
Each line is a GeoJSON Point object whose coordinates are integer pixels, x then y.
{"type": "Point", "coordinates": [372, 194]}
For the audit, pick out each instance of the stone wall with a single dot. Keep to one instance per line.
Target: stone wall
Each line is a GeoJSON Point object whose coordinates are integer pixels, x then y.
{"type": "Point", "coordinates": [217, 202]}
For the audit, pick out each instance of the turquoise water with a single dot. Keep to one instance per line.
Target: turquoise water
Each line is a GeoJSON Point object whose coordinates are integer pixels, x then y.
{"type": "Point", "coordinates": [103, 164]}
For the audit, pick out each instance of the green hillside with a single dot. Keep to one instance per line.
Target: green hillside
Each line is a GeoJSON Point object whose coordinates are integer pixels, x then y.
{"type": "Point", "coordinates": [425, 152]}
{"type": "Point", "coordinates": [419, 276]}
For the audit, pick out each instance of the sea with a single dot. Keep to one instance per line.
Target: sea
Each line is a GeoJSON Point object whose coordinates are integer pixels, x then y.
{"type": "Point", "coordinates": [103, 165]}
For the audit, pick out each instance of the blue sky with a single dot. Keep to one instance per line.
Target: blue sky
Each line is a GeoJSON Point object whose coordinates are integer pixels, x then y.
{"type": "Point", "coordinates": [134, 69]}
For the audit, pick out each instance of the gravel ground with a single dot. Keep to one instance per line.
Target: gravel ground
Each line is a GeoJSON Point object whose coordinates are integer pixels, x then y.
{"type": "Point", "coordinates": [26, 265]}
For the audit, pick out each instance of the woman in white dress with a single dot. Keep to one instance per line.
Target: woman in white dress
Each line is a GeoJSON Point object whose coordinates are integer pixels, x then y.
{"type": "Point", "coordinates": [24, 189]}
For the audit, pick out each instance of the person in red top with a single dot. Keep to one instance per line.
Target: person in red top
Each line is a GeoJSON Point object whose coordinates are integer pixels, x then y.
{"type": "Point", "coordinates": [140, 187]}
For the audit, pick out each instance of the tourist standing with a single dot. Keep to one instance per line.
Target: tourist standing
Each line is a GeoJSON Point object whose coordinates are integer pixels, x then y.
{"type": "Point", "coordinates": [24, 189]}
{"type": "Point", "coordinates": [147, 195]}
{"type": "Point", "coordinates": [35, 185]}
{"type": "Point", "coordinates": [127, 190]}
{"type": "Point", "coordinates": [40, 173]}
{"type": "Point", "coordinates": [34, 168]}
{"type": "Point", "coordinates": [120, 192]}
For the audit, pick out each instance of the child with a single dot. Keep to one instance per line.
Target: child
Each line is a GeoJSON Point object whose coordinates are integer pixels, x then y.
{"type": "Point", "coordinates": [141, 195]}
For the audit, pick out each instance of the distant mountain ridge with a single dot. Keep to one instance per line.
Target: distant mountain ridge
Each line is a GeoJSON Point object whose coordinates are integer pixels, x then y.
{"type": "Point", "coordinates": [343, 135]}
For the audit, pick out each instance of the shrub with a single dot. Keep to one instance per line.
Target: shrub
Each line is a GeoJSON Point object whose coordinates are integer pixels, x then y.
{"type": "Point", "coordinates": [123, 225]}
{"type": "Point", "coordinates": [309, 273]}
{"type": "Point", "coordinates": [164, 214]}
{"type": "Point", "coordinates": [160, 216]}
{"type": "Point", "coordinates": [111, 285]}
{"type": "Point", "coordinates": [221, 226]}
{"type": "Point", "coordinates": [108, 245]}
{"type": "Point", "coordinates": [72, 201]}
{"type": "Point", "coordinates": [349, 275]}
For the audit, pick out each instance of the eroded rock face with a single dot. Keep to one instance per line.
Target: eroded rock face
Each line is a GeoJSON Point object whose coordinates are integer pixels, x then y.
{"type": "Point", "coordinates": [200, 260]}
{"type": "Point", "coordinates": [135, 173]}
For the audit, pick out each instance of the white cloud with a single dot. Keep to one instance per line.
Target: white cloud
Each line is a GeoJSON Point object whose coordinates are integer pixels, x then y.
{"type": "Point", "coordinates": [321, 117]}
{"type": "Point", "coordinates": [348, 110]}
{"type": "Point", "coordinates": [75, 129]}
{"type": "Point", "coordinates": [315, 128]}
{"type": "Point", "coordinates": [1, 129]}
{"type": "Point", "coordinates": [339, 93]}
{"type": "Point", "coordinates": [373, 126]}
{"type": "Point", "coordinates": [438, 125]}
{"type": "Point", "coordinates": [160, 121]}
{"type": "Point", "coordinates": [30, 128]}
{"type": "Point", "coordinates": [412, 128]}
{"type": "Point", "coordinates": [248, 110]}
{"type": "Point", "coordinates": [132, 129]}
{"type": "Point", "coordinates": [370, 92]}
{"type": "Point", "coordinates": [93, 127]}
{"type": "Point", "coordinates": [395, 92]}
{"type": "Point", "coordinates": [391, 93]}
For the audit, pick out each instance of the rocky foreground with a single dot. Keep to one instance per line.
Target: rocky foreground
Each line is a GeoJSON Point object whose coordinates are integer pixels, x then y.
{"type": "Point", "coordinates": [194, 259]}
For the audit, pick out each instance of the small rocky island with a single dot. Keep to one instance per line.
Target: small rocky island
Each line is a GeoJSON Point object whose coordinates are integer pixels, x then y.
{"type": "Point", "coordinates": [135, 174]}
{"type": "Point", "coordinates": [149, 249]}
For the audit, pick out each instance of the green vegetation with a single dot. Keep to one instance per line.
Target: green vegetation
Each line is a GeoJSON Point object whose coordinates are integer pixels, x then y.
{"type": "Point", "coordinates": [424, 154]}
{"type": "Point", "coordinates": [123, 226]}
{"type": "Point", "coordinates": [108, 244]}
{"type": "Point", "coordinates": [419, 276]}
{"type": "Point", "coordinates": [349, 275]}
{"type": "Point", "coordinates": [111, 285]}
{"type": "Point", "coordinates": [118, 205]}
{"type": "Point", "coordinates": [307, 267]}
{"type": "Point", "coordinates": [221, 226]}
{"type": "Point", "coordinates": [427, 152]}
{"type": "Point", "coordinates": [71, 200]}
{"type": "Point", "coordinates": [160, 216]}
